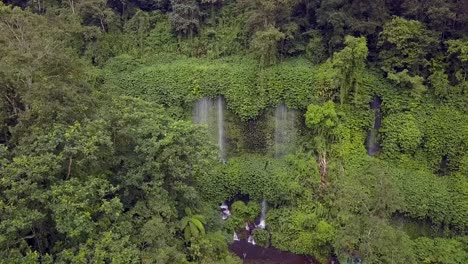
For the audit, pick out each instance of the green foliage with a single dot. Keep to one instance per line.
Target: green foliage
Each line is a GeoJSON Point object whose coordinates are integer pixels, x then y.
{"type": "Point", "coordinates": [300, 232]}
{"type": "Point", "coordinates": [247, 212]}
{"type": "Point", "coordinates": [212, 249]}
{"type": "Point", "coordinates": [192, 225]}
{"type": "Point", "coordinates": [439, 250]}
{"type": "Point", "coordinates": [87, 176]}
{"type": "Point", "coordinates": [261, 237]}
{"type": "Point", "coordinates": [264, 45]}
{"type": "Point", "coordinates": [294, 82]}
{"type": "Point", "coordinates": [241, 214]}
{"type": "Point", "coordinates": [374, 241]}
{"type": "Point", "coordinates": [440, 83]}
{"type": "Point", "coordinates": [322, 119]}
{"type": "Point", "coordinates": [41, 77]}
{"type": "Point", "coordinates": [350, 64]}
{"type": "Point", "coordinates": [258, 177]}
{"type": "Point", "coordinates": [404, 80]}
{"type": "Point", "coordinates": [74, 213]}
{"type": "Point", "coordinates": [368, 189]}
{"type": "Point", "coordinates": [315, 49]}
{"type": "Point", "coordinates": [420, 192]}
{"type": "Point", "coordinates": [459, 49]}
{"type": "Point", "coordinates": [405, 45]}
{"type": "Point", "coordinates": [445, 135]}
{"type": "Point", "coordinates": [400, 134]}
{"type": "Point", "coordinates": [247, 89]}
{"type": "Point", "coordinates": [185, 17]}
{"type": "Point", "coordinates": [458, 189]}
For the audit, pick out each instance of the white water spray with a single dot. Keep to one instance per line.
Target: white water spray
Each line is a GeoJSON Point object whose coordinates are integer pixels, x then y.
{"type": "Point", "coordinates": [225, 213]}
{"type": "Point", "coordinates": [210, 112]}
{"type": "Point", "coordinates": [251, 240]}
{"type": "Point", "coordinates": [221, 128]}
{"type": "Point", "coordinates": [262, 223]}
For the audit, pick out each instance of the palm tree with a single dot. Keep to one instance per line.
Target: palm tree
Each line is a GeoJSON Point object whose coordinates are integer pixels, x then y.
{"type": "Point", "coordinates": [192, 225]}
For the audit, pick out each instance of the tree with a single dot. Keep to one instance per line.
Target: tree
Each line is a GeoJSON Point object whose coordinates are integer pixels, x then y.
{"type": "Point", "coordinates": [185, 17]}
{"type": "Point", "coordinates": [439, 80]}
{"type": "Point", "coordinates": [96, 13]}
{"type": "Point", "coordinates": [42, 81]}
{"type": "Point", "coordinates": [264, 45]}
{"type": "Point", "coordinates": [315, 49]}
{"type": "Point", "coordinates": [400, 134]}
{"type": "Point", "coordinates": [405, 47]}
{"type": "Point", "coordinates": [139, 27]}
{"type": "Point", "coordinates": [440, 250]}
{"type": "Point", "coordinates": [192, 225]}
{"type": "Point", "coordinates": [324, 122]}
{"type": "Point", "coordinates": [333, 22]}
{"type": "Point", "coordinates": [266, 13]}
{"type": "Point", "coordinates": [458, 50]}
{"type": "Point", "coordinates": [350, 64]}
{"type": "Point", "coordinates": [365, 197]}
{"type": "Point", "coordinates": [269, 22]}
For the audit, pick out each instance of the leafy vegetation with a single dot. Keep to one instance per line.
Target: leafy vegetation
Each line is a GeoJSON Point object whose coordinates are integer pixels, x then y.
{"type": "Point", "coordinates": [100, 163]}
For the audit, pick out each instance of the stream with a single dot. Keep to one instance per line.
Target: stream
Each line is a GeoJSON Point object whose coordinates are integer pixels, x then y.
{"type": "Point", "coordinates": [255, 254]}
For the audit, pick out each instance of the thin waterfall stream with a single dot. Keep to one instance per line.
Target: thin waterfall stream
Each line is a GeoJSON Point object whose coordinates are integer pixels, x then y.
{"type": "Point", "coordinates": [221, 138]}
{"type": "Point", "coordinates": [372, 144]}
{"type": "Point", "coordinates": [285, 131]}
{"type": "Point", "coordinates": [262, 223]}
{"type": "Point", "coordinates": [210, 112]}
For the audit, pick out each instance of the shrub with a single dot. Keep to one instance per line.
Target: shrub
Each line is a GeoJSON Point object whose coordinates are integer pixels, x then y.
{"type": "Point", "coordinates": [261, 237]}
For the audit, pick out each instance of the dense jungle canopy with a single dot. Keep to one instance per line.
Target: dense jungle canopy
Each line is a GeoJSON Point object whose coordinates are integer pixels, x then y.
{"type": "Point", "coordinates": [102, 160]}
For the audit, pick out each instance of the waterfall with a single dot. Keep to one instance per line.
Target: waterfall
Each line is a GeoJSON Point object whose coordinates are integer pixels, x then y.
{"type": "Point", "coordinates": [210, 112]}
{"type": "Point", "coordinates": [251, 240]}
{"type": "Point", "coordinates": [263, 215]}
{"type": "Point", "coordinates": [225, 213]}
{"type": "Point", "coordinates": [221, 128]}
{"type": "Point", "coordinates": [235, 237]}
{"type": "Point", "coordinates": [285, 131]}
{"type": "Point", "coordinates": [372, 144]}
{"type": "Point", "coordinates": [200, 112]}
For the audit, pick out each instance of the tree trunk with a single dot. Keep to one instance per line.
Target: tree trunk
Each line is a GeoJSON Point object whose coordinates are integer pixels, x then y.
{"type": "Point", "coordinates": [101, 19]}
{"type": "Point", "coordinates": [72, 5]}
{"type": "Point", "coordinates": [323, 166]}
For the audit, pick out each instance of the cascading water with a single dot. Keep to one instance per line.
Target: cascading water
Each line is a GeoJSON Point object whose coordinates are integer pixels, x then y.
{"type": "Point", "coordinates": [200, 112]}
{"type": "Point", "coordinates": [372, 144]}
{"type": "Point", "coordinates": [225, 213]}
{"type": "Point", "coordinates": [251, 240]}
{"type": "Point", "coordinates": [210, 112]}
{"type": "Point", "coordinates": [285, 132]}
{"type": "Point", "coordinates": [235, 237]}
{"type": "Point", "coordinates": [262, 223]}
{"type": "Point", "coordinates": [221, 128]}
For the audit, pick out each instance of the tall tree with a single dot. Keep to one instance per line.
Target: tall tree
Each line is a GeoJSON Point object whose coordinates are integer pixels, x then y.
{"type": "Point", "coordinates": [185, 17]}
{"type": "Point", "coordinates": [406, 47]}
{"type": "Point", "coordinates": [405, 44]}
{"type": "Point", "coordinates": [350, 64]}
{"type": "Point", "coordinates": [41, 79]}
{"type": "Point", "coordinates": [324, 122]}
{"type": "Point", "coordinates": [264, 45]}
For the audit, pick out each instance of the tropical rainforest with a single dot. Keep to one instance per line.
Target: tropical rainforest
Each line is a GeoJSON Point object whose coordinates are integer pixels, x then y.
{"type": "Point", "coordinates": [102, 162]}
